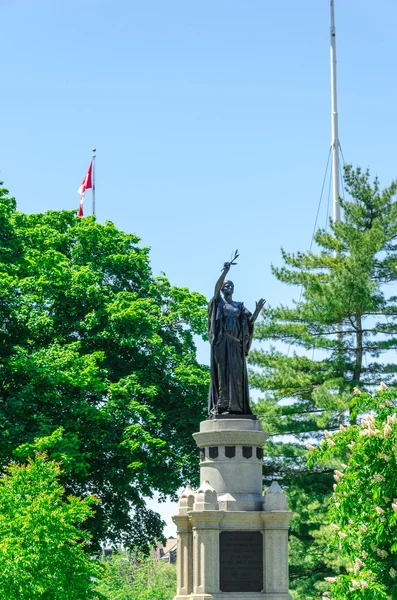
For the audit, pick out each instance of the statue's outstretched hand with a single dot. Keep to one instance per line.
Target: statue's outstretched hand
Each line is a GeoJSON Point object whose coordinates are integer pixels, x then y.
{"type": "Point", "coordinates": [260, 304]}
{"type": "Point", "coordinates": [225, 270]}
{"type": "Point", "coordinates": [228, 264]}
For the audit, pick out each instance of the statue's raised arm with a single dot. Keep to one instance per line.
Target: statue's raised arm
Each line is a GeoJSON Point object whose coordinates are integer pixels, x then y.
{"type": "Point", "coordinates": [225, 271]}
{"type": "Point", "coordinates": [259, 305]}
{"type": "Point", "coordinates": [220, 282]}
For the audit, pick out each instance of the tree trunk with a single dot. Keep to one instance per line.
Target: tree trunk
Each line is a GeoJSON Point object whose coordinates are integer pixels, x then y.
{"type": "Point", "coordinates": [359, 357]}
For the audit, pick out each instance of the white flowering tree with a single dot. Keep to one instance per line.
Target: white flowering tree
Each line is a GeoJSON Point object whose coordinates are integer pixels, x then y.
{"type": "Point", "coordinates": [364, 507]}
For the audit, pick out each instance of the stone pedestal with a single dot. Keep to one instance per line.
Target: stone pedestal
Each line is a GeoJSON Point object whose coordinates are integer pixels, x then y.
{"type": "Point", "coordinates": [232, 539]}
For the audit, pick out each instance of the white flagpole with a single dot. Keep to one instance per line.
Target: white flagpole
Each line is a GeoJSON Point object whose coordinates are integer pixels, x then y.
{"type": "Point", "coordinates": [93, 180]}
{"type": "Point", "coordinates": [335, 133]}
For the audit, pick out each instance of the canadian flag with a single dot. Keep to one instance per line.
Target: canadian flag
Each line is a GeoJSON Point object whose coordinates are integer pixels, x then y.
{"type": "Point", "coordinates": [86, 184]}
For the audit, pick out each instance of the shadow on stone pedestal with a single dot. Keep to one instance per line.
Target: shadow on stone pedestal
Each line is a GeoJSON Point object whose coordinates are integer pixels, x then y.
{"type": "Point", "coordinates": [232, 539]}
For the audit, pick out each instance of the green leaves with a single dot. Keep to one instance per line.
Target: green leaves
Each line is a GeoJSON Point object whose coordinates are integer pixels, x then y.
{"type": "Point", "coordinates": [41, 542]}
{"type": "Point", "coordinates": [336, 337]}
{"type": "Point", "coordinates": [364, 508]}
{"type": "Point", "coordinates": [130, 576]}
{"type": "Point", "coordinates": [94, 346]}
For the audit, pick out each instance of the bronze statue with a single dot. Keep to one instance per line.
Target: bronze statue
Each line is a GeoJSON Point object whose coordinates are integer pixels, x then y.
{"type": "Point", "coordinates": [230, 329]}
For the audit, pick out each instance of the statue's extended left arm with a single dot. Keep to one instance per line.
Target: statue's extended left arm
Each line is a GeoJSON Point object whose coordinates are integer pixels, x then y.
{"type": "Point", "coordinates": [259, 305]}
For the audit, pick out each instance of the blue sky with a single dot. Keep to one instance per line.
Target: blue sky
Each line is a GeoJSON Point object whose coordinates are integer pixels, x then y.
{"type": "Point", "coordinates": [211, 120]}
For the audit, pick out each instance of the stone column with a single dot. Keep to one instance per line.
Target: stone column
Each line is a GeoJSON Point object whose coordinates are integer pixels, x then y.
{"type": "Point", "coordinates": [276, 517]}
{"type": "Point", "coordinates": [184, 545]}
{"type": "Point", "coordinates": [205, 519]}
{"type": "Point", "coordinates": [231, 460]}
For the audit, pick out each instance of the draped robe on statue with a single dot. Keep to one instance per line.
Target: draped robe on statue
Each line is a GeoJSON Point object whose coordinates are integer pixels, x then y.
{"type": "Point", "coordinates": [230, 334]}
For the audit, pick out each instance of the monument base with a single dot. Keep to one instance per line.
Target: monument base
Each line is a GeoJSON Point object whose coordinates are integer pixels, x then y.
{"type": "Point", "coordinates": [232, 539]}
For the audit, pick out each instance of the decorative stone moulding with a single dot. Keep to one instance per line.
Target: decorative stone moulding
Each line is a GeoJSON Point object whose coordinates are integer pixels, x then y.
{"type": "Point", "coordinates": [230, 451]}
{"type": "Point", "coordinates": [275, 499]}
{"type": "Point", "coordinates": [213, 452]}
{"type": "Point", "coordinates": [247, 451]}
{"type": "Point", "coordinates": [186, 501]}
{"type": "Point", "coordinates": [230, 432]}
{"type": "Point", "coordinates": [205, 498]}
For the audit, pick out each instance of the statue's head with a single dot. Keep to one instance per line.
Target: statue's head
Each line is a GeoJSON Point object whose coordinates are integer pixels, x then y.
{"type": "Point", "coordinates": [228, 287]}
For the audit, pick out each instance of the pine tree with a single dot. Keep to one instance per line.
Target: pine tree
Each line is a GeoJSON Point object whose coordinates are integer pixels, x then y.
{"type": "Point", "coordinates": [337, 337]}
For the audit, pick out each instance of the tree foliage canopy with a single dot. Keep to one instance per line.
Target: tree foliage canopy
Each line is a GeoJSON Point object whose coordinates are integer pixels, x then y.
{"type": "Point", "coordinates": [364, 506]}
{"type": "Point", "coordinates": [344, 314]}
{"type": "Point", "coordinates": [41, 542]}
{"type": "Point", "coordinates": [130, 576]}
{"type": "Point", "coordinates": [91, 342]}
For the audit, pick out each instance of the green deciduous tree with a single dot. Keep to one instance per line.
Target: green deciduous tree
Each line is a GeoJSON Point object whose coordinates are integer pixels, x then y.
{"type": "Point", "coordinates": [130, 576]}
{"type": "Point", "coordinates": [334, 338]}
{"type": "Point", "coordinates": [92, 343]}
{"type": "Point", "coordinates": [41, 542]}
{"type": "Point", "coordinates": [364, 503]}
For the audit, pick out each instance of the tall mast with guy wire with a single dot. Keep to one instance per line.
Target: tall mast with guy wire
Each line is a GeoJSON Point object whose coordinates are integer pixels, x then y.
{"type": "Point", "coordinates": [335, 132]}
{"type": "Point", "coordinates": [335, 139]}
